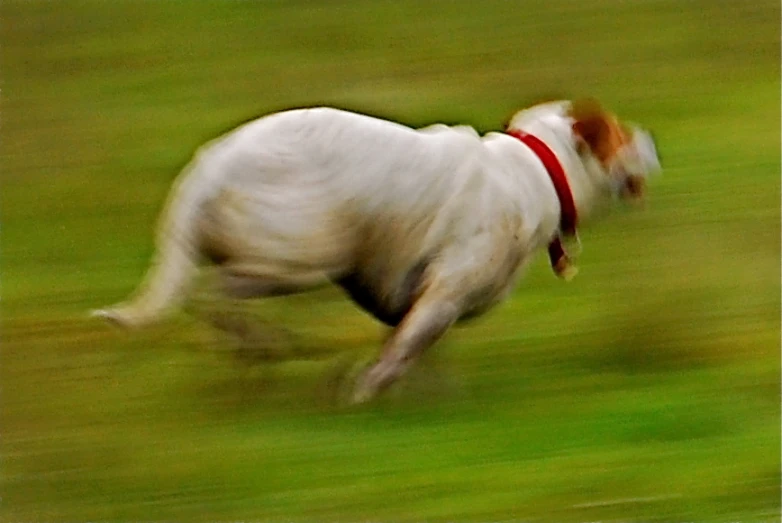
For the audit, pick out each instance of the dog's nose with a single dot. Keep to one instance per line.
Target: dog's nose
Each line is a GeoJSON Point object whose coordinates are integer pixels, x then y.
{"type": "Point", "coordinates": [634, 188]}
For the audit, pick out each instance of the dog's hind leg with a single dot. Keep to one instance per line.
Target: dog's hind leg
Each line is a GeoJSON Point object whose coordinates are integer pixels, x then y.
{"type": "Point", "coordinates": [221, 303]}
{"type": "Point", "coordinates": [430, 317]}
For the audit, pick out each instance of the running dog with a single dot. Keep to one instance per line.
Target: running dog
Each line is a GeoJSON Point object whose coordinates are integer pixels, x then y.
{"type": "Point", "coordinates": [420, 227]}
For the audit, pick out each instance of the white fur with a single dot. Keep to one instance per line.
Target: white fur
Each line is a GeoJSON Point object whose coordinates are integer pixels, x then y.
{"type": "Point", "coordinates": [306, 196]}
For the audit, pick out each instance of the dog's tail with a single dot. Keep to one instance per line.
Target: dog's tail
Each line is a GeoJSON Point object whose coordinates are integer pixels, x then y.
{"type": "Point", "coordinates": [177, 255]}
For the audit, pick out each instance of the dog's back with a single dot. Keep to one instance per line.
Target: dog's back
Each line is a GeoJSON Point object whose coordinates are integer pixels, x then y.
{"type": "Point", "coordinates": [350, 156]}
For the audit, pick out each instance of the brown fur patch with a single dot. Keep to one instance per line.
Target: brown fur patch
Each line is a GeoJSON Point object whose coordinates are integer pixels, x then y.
{"type": "Point", "coordinates": [600, 130]}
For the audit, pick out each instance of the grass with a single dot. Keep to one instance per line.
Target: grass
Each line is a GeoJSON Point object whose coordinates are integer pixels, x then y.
{"type": "Point", "coordinates": [646, 390]}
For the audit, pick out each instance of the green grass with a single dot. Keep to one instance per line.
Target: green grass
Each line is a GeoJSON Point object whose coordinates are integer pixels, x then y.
{"type": "Point", "coordinates": [646, 390]}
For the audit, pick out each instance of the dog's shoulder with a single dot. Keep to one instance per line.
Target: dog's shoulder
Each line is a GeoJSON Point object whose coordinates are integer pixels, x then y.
{"type": "Point", "coordinates": [441, 128]}
{"type": "Point", "coordinates": [458, 142]}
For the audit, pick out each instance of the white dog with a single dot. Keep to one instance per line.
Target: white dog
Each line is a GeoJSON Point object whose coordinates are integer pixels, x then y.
{"type": "Point", "coordinates": [421, 227]}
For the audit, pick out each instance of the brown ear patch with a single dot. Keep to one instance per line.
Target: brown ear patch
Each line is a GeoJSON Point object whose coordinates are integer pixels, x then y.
{"type": "Point", "coordinates": [598, 129]}
{"type": "Point", "coordinates": [586, 108]}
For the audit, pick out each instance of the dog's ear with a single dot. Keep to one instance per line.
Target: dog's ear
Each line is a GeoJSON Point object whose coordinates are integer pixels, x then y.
{"type": "Point", "coordinates": [590, 122]}
{"type": "Point", "coordinates": [596, 129]}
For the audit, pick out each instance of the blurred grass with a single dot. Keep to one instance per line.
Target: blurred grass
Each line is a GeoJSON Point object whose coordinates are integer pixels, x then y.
{"type": "Point", "coordinates": [648, 389]}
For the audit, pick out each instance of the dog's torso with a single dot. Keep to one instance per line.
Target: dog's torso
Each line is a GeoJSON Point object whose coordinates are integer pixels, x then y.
{"type": "Point", "coordinates": [374, 206]}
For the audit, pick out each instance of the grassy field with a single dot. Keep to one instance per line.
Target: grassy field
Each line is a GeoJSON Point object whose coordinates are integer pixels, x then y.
{"type": "Point", "coordinates": [648, 389]}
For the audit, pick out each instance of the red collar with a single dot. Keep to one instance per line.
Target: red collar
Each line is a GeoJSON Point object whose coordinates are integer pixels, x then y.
{"type": "Point", "coordinates": [568, 216]}
{"type": "Point", "coordinates": [568, 219]}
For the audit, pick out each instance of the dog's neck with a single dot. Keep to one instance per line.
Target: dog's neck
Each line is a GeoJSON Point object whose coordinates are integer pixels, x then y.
{"type": "Point", "coordinates": [568, 214]}
{"type": "Point", "coordinates": [550, 124]}
{"type": "Point", "coordinates": [561, 262]}
{"type": "Point", "coordinates": [548, 132]}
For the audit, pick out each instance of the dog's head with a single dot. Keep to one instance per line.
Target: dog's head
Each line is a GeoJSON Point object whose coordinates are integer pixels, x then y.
{"type": "Point", "coordinates": [621, 156]}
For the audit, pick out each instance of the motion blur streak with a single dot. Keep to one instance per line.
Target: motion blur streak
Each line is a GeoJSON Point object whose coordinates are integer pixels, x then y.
{"type": "Point", "coordinates": [646, 389]}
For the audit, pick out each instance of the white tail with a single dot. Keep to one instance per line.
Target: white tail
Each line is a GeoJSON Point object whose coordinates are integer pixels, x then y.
{"type": "Point", "coordinates": [176, 259]}
{"type": "Point", "coordinates": [163, 287]}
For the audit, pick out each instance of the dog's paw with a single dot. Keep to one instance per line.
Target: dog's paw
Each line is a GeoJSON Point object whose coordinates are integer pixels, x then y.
{"type": "Point", "coordinates": [339, 384]}
{"type": "Point", "coordinates": [374, 380]}
{"type": "Point", "coordinates": [362, 394]}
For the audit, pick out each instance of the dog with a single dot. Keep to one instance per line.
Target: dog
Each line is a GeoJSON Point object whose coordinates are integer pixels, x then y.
{"type": "Point", "coordinates": [421, 227]}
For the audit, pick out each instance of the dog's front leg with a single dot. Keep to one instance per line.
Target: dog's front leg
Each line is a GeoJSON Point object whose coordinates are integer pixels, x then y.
{"type": "Point", "coordinates": [426, 322]}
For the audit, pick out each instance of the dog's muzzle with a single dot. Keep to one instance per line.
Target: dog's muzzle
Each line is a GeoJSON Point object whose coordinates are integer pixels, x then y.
{"type": "Point", "coordinates": [634, 163]}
